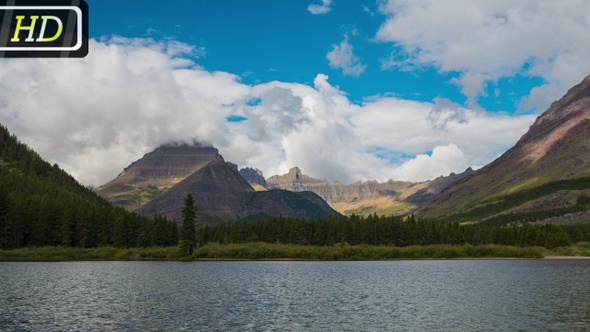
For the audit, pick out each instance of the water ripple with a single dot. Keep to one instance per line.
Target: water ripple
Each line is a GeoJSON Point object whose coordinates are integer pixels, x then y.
{"type": "Point", "coordinates": [489, 295]}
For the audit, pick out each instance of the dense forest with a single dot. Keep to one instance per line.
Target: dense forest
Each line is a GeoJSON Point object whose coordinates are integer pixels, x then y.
{"type": "Point", "coordinates": [401, 232]}
{"type": "Point", "coordinates": [42, 205]}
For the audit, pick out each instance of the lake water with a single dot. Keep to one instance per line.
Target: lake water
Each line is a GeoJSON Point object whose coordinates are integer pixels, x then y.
{"type": "Point", "coordinates": [455, 295]}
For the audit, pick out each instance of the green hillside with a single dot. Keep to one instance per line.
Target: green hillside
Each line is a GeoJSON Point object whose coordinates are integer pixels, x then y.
{"type": "Point", "coordinates": [550, 200]}
{"type": "Point", "coordinates": [40, 204]}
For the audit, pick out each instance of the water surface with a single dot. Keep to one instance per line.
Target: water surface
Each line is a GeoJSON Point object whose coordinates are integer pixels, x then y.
{"type": "Point", "coordinates": [461, 295]}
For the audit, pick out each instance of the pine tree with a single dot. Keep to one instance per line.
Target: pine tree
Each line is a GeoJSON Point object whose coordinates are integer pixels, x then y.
{"type": "Point", "coordinates": [6, 238]}
{"type": "Point", "coordinates": [188, 232]}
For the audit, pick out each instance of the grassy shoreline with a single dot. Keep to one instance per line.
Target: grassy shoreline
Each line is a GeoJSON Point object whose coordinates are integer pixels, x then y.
{"type": "Point", "coordinates": [268, 251]}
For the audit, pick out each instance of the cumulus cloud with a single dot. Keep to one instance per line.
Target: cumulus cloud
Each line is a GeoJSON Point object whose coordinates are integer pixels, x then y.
{"type": "Point", "coordinates": [318, 9]}
{"type": "Point", "coordinates": [442, 161]}
{"type": "Point", "coordinates": [401, 125]}
{"type": "Point", "coordinates": [489, 39]}
{"type": "Point", "coordinates": [94, 116]}
{"type": "Point", "coordinates": [341, 57]}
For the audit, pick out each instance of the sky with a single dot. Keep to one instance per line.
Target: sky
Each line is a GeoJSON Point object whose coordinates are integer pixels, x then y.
{"type": "Point", "coordinates": [345, 90]}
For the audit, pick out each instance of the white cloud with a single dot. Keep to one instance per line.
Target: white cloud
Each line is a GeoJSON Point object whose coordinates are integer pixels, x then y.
{"type": "Point", "coordinates": [341, 57]}
{"type": "Point", "coordinates": [399, 125]}
{"type": "Point", "coordinates": [94, 116]}
{"type": "Point", "coordinates": [442, 161]}
{"type": "Point", "coordinates": [322, 8]}
{"type": "Point", "coordinates": [490, 39]}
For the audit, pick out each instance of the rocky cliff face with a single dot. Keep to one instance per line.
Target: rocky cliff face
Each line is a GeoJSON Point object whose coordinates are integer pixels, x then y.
{"type": "Point", "coordinates": [219, 191]}
{"type": "Point", "coordinates": [362, 198]}
{"type": "Point", "coordinates": [254, 176]}
{"type": "Point", "coordinates": [556, 147]}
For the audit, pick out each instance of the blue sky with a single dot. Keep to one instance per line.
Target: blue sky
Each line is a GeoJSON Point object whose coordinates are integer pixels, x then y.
{"type": "Point", "coordinates": [262, 41]}
{"type": "Point", "coordinates": [346, 90]}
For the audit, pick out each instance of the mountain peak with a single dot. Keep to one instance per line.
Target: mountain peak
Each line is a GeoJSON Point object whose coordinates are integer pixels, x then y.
{"type": "Point", "coordinates": [564, 118]}
{"type": "Point", "coordinates": [255, 177]}
{"type": "Point", "coordinates": [156, 172]}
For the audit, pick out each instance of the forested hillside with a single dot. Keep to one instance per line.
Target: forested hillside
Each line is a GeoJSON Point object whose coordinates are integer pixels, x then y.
{"type": "Point", "coordinates": [40, 205]}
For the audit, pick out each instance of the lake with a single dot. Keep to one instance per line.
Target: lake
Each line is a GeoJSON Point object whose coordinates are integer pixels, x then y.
{"type": "Point", "coordinates": [437, 295]}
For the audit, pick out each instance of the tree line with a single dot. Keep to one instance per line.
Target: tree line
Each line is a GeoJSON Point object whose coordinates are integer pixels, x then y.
{"type": "Point", "coordinates": [394, 231]}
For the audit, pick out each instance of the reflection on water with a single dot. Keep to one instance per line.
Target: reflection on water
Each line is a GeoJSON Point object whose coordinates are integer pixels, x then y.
{"type": "Point", "coordinates": [487, 295]}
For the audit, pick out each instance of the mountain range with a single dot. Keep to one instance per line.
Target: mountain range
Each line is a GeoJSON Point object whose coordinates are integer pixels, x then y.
{"type": "Point", "coordinates": [544, 177]}
{"type": "Point", "coordinates": [158, 183]}
{"type": "Point", "coordinates": [364, 198]}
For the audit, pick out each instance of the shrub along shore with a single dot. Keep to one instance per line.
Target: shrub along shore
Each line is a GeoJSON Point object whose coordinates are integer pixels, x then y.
{"type": "Point", "coordinates": [270, 251]}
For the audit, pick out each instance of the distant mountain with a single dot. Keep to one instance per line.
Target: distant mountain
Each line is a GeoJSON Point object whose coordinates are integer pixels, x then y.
{"type": "Point", "coordinates": [546, 172]}
{"type": "Point", "coordinates": [255, 178]}
{"type": "Point", "coordinates": [158, 183]}
{"type": "Point", "coordinates": [363, 198]}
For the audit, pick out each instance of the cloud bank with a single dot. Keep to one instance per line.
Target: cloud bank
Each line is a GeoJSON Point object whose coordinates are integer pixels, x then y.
{"type": "Point", "coordinates": [94, 116]}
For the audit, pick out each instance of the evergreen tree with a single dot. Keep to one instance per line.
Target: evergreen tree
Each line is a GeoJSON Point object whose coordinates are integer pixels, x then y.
{"type": "Point", "coordinates": [121, 231]}
{"type": "Point", "coordinates": [188, 232]}
{"type": "Point", "coordinates": [6, 238]}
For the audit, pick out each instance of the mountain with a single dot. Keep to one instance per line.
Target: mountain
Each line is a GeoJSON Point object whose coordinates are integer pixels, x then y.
{"type": "Point", "coordinates": [158, 183]}
{"type": "Point", "coordinates": [364, 198]}
{"type": "Point", "coordinates": [220, 193]}
{"type": "Point", "coordinates": [155, 173]}
{"type": "Point", "coordinates": [546, 170]}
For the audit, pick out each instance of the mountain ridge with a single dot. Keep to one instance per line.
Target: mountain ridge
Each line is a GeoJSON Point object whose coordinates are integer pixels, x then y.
{"type": "Point", "coordinates": [556, 147]}
{"type": "Point", "coordinates": [368, 197]}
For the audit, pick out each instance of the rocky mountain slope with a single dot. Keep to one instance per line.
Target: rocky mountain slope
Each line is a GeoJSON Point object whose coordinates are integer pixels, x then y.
{"type": "Point", "coordinates": [363, 198]}
{"type": "Point", "coordinates": [155, 173]}
{"type": "Point", "coordinates": [545, 168]}
{"type": "Point", "coordinates": [158, 183]}
{"type": "Point", "coordinates": [255, 178]}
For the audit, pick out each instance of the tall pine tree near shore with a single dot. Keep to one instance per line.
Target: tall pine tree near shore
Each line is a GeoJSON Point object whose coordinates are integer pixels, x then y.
{"type": "Point", "coordinates": [188, 232]}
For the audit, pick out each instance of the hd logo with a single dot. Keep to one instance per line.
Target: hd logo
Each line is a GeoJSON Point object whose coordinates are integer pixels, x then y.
{"type": "Point", "coordinates": [49, 28]}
